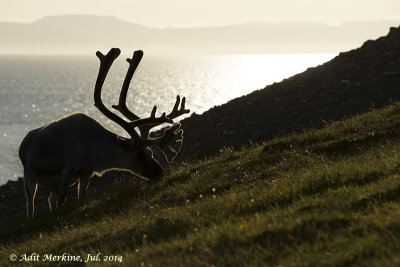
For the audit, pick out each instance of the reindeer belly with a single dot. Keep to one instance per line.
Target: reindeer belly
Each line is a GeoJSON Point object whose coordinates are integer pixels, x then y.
{"type": "Point", "coordinates": [46, 178]}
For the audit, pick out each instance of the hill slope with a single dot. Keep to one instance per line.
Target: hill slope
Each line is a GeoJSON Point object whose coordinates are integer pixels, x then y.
{"type": "Point", "coordinates": [324, 197]}
{"type": "Point", "coordinates": [349, 84]}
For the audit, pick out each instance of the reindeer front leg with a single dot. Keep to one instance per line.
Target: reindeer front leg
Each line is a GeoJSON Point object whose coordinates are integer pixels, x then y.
{"type": "Point", "coordinates": [82, 189]}
{"type": "Point", "coordinates": [66, 179]}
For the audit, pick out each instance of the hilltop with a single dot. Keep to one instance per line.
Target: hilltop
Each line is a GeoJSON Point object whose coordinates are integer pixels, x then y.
{"type": "Point", "coordinates": [350, 84]}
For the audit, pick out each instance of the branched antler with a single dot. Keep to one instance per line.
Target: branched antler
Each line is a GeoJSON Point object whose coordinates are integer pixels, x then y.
{"type": "Point", "coordinates": [171, 141]}
{"type": "Point", "coordinates": [178, 112]}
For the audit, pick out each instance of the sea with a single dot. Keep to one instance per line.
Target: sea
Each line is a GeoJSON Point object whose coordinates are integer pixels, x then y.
{"type": "Point", "coordinates": [35, 90]}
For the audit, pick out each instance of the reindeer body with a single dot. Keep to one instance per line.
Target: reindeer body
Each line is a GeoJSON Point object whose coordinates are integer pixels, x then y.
{"type": "Point", "coordinates": [82, 144]}
{"type": "Point", "coordinates": [72, 149]}
{"type": "Point", "coordinates": [76, 147]}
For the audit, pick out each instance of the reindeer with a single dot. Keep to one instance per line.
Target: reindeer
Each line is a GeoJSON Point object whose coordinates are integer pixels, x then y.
{"type": "Point", "coordinates": [76, 147]}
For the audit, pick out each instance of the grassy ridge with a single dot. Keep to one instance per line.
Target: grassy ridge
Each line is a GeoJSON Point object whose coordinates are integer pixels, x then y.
{"type": "Point", "coordinates": [323, 197]}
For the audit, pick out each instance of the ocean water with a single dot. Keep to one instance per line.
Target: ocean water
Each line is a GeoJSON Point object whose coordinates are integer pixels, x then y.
{"type": "Point", "coordinates": [37, 89]}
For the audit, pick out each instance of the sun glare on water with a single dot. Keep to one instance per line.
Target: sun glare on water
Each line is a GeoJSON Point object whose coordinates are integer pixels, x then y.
{"type": "Point", "coordinates": [250, 72]}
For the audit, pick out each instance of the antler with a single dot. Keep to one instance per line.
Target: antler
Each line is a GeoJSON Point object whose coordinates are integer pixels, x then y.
{"type": "Point", "coordinates": [171, 141]}
{"type": "Point", "coordinates": [105, 63]}
{"type": "Point", "coordinates": [178, 112]}
{"type": "Point", "coordinates": [121, 107]}
{"type": "Point", "coordinates": [145, 129]}
{"type": "Point", "coordinates": [144, 125]}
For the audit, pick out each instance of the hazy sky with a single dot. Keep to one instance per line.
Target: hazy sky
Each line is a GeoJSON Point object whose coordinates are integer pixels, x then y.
{"type": "Point", "coordinates": [184, 13]}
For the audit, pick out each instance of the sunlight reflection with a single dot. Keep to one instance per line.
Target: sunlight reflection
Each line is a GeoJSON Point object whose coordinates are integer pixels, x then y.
{"type": "Point", "coordinates": [251, 72]}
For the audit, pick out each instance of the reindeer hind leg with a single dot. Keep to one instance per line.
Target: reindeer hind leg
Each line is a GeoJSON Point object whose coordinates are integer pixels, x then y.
{"type": "Point", "coordinates": [30, 191]}
{"type": "Point", "coordinates": [53, 201]}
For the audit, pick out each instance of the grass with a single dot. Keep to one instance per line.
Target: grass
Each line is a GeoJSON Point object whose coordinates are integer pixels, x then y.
{"type": "Point", "coordinates": [325, 197]}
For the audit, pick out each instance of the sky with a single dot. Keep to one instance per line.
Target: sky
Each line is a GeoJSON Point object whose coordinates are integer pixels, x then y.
{"type": "Point", "coordinates": [191, 13]}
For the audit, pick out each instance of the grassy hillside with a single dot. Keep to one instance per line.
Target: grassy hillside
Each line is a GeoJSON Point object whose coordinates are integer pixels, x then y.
{"type": "Point", "coordinates": [324, 197]}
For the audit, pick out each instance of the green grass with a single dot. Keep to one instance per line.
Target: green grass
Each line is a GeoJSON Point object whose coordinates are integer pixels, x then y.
{"type": "Point", "coordinates": [326, 197]}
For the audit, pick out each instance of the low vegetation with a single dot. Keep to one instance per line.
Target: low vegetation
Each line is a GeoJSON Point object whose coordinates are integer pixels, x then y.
{"type": "Point", "coordinates": [328, 196]}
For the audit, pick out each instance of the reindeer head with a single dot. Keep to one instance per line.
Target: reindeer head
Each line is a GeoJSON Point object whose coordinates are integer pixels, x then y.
{"type": "Point", "coordinates": [170, 142]}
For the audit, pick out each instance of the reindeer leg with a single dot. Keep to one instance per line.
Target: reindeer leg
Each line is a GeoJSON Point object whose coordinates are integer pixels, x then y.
{"type": "Point", "coordinates": [52, 201]}
{"type": "Point", "coordinates": [30, 191]}
{"type": "Point", "coordinates": [65, 183]}
{"type": "Point", "coordinates": [82, 189]}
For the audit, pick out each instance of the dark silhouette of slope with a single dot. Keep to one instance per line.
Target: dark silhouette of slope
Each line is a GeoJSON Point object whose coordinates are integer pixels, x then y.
{"type": "Point", "coordinates": [351, 83]}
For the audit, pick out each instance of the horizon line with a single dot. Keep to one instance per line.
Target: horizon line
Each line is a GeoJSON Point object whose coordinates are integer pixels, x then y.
{"type": "Point", "coordinates": [339, 24]}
